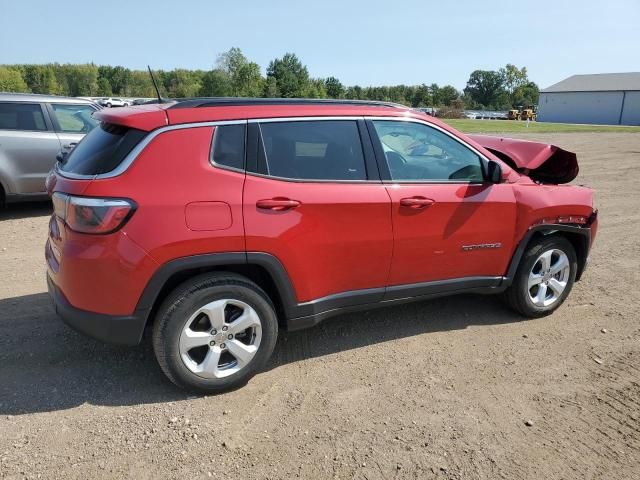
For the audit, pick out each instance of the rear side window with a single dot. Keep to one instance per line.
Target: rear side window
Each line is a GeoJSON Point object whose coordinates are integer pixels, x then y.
{"type": "Point", "coordinates": [229, 145]}
{"type": "Point", "coordinates": [312, 150]}
{"type": "Point", "coordinates": [21, 116]}
{"type": "Point", "coordinates": [102, 150]}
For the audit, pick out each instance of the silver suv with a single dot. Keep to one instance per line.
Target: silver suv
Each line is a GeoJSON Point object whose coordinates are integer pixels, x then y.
{"type": "Point", "coordinates": [113, 102]}
{"type": "Point", "coordinates": [33, 129]}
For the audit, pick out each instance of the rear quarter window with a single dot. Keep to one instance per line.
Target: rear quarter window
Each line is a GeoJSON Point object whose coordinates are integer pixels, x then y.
{"type": "Point", "coordinates": [102, 150]}
{"type": "Point", "coordinates": [229, 146]}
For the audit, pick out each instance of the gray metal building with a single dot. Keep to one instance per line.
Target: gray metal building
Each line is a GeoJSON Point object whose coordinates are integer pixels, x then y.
{"type": "Point", "coordinates": [604, 98]}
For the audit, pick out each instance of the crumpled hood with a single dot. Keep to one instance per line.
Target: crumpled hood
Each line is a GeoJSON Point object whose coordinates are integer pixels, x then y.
{"type": "Point", "coordinates": [541, 162]}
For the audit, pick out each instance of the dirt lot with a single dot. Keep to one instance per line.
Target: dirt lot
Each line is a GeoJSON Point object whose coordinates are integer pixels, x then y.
{"type": "Point", "coordinates": [439, 389]}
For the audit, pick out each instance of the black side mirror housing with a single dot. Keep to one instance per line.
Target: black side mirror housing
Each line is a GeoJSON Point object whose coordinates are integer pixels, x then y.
{"type": "Point", "coordinates": [62, 156]}
{"type": "Point", "coordinates": [494, 172]}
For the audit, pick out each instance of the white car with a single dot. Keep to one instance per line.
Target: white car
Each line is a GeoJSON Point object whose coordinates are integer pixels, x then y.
{"type": "Point", "coordinates": [113, 102]}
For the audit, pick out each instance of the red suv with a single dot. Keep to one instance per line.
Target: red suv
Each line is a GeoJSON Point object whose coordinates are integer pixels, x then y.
{"type": "Point", "coordinates": [215, 222]}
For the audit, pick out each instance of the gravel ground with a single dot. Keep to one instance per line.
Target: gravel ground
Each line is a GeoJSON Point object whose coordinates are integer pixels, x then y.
{"type": "Point", "coordinates": [454, 388]}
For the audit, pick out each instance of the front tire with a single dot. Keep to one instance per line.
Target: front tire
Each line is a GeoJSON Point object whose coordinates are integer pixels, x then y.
{"type": "Point", "coordinates": [544, 278]}
{"type": "Point", "coordinates": [214, 332]}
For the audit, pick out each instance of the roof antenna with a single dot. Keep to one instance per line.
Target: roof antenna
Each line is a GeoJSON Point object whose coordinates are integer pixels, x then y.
{"type": "Point", "coordinates": [155, 85]}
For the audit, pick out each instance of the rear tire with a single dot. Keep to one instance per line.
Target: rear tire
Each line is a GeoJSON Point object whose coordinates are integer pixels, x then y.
{"type": "Point", "coordinates": [214, 332]}
{"type": "Point", "coordinates": [544, 278]}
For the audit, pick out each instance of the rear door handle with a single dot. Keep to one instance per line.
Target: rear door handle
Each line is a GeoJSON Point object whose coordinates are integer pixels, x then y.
{"type": "Point", "coordinates": [278, 204]}
{"type": "Point", "coordinates": [416, 203]}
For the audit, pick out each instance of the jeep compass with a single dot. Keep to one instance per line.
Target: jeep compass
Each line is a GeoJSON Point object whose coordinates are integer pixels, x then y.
{"type": "Point", "coordinates": [215, 222]}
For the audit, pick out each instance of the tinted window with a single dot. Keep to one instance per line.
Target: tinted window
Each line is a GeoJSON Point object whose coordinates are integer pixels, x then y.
{"type": "Point", "coordinates": [313, 150]}
{"type": "Point", "coordinates": [228, 146]}
{"type": "Point", "coordinates": [75, 118]}
{"type": "Point", "coordinates": [21, 116]}
{"type": "Point", "coordinates": [417, 152]}
{"type": "Point", "coordinates": [102, 150]}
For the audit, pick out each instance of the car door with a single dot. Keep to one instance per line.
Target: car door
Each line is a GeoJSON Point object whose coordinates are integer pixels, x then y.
{"type": "Point", "coordinates": [71, 122]}
{"type": "Point", "coordinates": [28, 147]}
{"type": "Point", "coordinates": [314, 200]}
{"type": "Point", "coordinates": [449, 223]}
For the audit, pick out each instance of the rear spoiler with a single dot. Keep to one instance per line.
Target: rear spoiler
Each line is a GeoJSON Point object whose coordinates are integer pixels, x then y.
{"type": "Point", "coordinates": [144, 117]}
{"type": "Point", "coordinates": [541, 162]}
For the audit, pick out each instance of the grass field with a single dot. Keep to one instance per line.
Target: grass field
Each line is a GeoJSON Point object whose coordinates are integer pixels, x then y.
{"type": "Point", "coordinates": [511, 126]}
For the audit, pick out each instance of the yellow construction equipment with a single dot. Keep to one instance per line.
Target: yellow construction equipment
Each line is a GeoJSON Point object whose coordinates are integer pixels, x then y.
{"type": "Point", "coordinates": [529, 113]}
{"type": "Point", "coordinates": [514, 114]}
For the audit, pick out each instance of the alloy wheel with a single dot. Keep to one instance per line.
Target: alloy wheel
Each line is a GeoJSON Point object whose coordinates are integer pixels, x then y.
{"type": "Point", "coordinates": [220, 338]}
{"type": "Point", "coordinates": [548, 277]}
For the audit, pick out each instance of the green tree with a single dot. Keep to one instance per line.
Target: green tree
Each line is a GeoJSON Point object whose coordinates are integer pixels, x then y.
{"type": "Point", "coordinates": [334, 88]}
{"type": "Point", "coordinates": [421, 97]}
{"type": "Point", "coordinates": [292, 77]}
{"type": "Point", "coordinates": [182, 83]}
{"type": "Point", "coordinates": [247, 80]}
{"type": "Point", "coordinates": [11, 80]}
{"type": "Point", "coordinates": [380, 94]}
{"type": "Point", "coordinates": [448, 94]}
{"type": "Point", "coordinates": [78, 80]}
{"type": "Point", "coordinates": [396, 94]}
{"type": "Point", "coordinates": [270, 88]}
{"type": "Point", "coordinates": [513, 78]}
{"type": "Point", "coordinates": [315, 89]}
{"type": "Point", "coordinates": [235, 75]}
{"type": "Point", "coordinates": [485, 87]}
{"type": "Point", "coordinates": [216, 83]}
{"type": "Point", "coordinates": [104, 87]}
{"type": "Point", "coordinates": [355, 93]}
{"type": "Point", "coordinates": [41, 79]}
{"type": "Point", "coordinates": [527, 94]}
{"type": "Point", "coordinates": [231, 61]}
{"type": "Point", "coordinates": [244, 77]}
{"type": "Point", "coordinates": [140, 85]}
{"type": "Point", "coordinates": [434, 88]}
{"type": "Point", "coordinates": [119, 78]}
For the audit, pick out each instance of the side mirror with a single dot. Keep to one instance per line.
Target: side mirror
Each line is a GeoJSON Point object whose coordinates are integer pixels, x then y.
{"type": "Point", "coordinates": [62, 156]}
{"type": "Point", "coordinates": [494, 172]}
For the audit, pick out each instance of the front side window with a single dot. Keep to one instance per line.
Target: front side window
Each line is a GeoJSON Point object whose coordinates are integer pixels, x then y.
{"type": "Point", "coordinates": [228, 146]}
{"type": "Point", "coordinates": [74, 118]}
{"type": "Point", "coordinates": [313, 150]}
{"type": "Point", "coordinates": [21, 116]}
{"type": "Point", "coordinates": [417, 152]}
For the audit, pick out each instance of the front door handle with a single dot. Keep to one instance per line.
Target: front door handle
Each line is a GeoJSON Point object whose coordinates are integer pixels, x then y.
{"type": "Point", "coordinates": [416, 203]}
{"type": "Point", "coordinates": [278, 204]}
{"type": "Point", "coordinates": [70, 145]}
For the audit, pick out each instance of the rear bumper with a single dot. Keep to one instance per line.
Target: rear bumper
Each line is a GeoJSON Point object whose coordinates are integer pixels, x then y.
{"type": "Point", "coordinates": [117, 330]}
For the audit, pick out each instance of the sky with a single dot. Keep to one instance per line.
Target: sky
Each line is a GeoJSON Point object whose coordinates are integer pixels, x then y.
{"type": "Point", "coordinates": [370, 42]}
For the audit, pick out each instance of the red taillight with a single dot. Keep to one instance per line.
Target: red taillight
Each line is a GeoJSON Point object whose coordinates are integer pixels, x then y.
{"type": "Point", "coordinates": [92, 215]}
